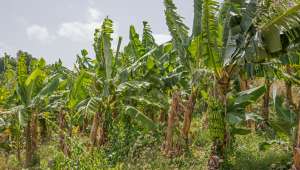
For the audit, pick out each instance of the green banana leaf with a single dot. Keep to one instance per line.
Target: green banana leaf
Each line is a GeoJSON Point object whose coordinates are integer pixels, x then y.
{"type": "Point", "coordinates": [141, 118]}
{"type": "Point", "coordinates": [247, 97]}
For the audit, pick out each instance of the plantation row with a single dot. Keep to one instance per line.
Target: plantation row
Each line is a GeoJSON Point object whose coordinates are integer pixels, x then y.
{"type": "Point", "coordinates": [112, 111]}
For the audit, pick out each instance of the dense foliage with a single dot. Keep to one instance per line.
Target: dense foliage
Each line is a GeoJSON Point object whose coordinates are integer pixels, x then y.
{"type": "Point", "coordinates": [210, 98]}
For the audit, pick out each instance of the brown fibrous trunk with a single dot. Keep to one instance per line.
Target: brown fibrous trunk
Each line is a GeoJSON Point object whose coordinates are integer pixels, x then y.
{"type": "Point", "coordinates": [102, 131]}
{"type": "Point", "coordinates": [94, 129]}
{"type": "Point", "coordinates": [31, 141]}
{"type": "Point", "coordinates": [296, 157]}
{"type": "Point", "coordinates": [266, 101]}
{"type": "Point", "coordinates": [244, 85]}
{"type": "Point", "coordinates": [172, 117]}
{"type": "Point", "coordinates": [162, 116]}
{"type": "Point", "coordinates": [189, 108]}
{"type": "Point", "coordinates": [102, 139]}
{"type": "Point", "coordinates": [43, 130]}
{"type": "Point", "coordinates": [28, 144]}
{"type": "Point", "coordinates": [289, 96]}
{"type": "Point", "coordinates": [62, 135]}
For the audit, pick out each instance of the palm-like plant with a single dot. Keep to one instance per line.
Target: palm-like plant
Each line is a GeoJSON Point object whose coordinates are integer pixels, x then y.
{"type": "Point", "coordinates": [32, 90]}
{"type": "Point", "coordinates": [110, 84]}
{"type": "Point", "coordinates": [242, 42]}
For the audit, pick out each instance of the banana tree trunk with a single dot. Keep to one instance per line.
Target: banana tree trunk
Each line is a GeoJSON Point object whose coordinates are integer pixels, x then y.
{"type": "Point", "coordinates": [296, 157]}
{"type": "Point", "coordinates": [19, 145]}
{"type": "Point", "coordinates": [18, 154]}
{"type": "Point", "coordinates": [172, 116]}
{"type": "Point", "coordinates": [31, 141]}
{"type": "Point", "coordinates": [289, 96]}
{"type": "Point", "coordinates": [189, 108]}
{"type": "Point", "coordinates": [288, 86]}
{"type": "Point", "coordinates": [43, 130]}
{"type": "Point", "coordinates": [94, 129]}
{"type": "Point", "coordinates": [62, 135]}
{"type": "Point", "coordinates": [244, 85]}
{"type": "Point", "coordinates": [103, 129]}
{"type": "Point", "coordinates": [266, 101]}
{"type": "Point", "coordinates": [162, 116]}
{"type": "Point", "coordinates": [103, 135]}
{"type": "Point", "coordinates": [28, 148]}
{"type": "Point", "coordinates": [34, 134]}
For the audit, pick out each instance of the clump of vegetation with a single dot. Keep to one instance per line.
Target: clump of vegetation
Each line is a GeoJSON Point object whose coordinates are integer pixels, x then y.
{"type": "Point", "coordinates": [202, 101]}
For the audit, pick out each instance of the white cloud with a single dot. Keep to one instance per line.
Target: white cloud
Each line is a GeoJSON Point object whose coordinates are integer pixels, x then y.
{"type": "Point", "coordinates": [94, 14]}
{"type": "Point", "coordinates": [161, 38]}
{"type": "Point", "coordinates": [78, 31]}
{"type": "Point", "coordinates": [81, 31]}
{"type": "Point", "coordinates": [37, 32]}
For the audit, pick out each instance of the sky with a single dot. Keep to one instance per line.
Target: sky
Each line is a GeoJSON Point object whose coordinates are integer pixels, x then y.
{"type": "Point", "coordinates": [59, 29]}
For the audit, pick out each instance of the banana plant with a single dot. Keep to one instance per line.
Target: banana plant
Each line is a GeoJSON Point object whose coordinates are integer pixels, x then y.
{"type": "Point", "coordinates": [133, 80]}
{"type": "Point", "coordinates": [225, 49]}
{"type": "Point", "coordinates": [187, 66]}
{"type": "Point", "coordinates": [129, 86]}
{"type": "Point", "coordinates": [268, 72]}
{"type": "Point", "coordinates": [32, 90]}
{"type": "Point", "coordinates": [61, 103]}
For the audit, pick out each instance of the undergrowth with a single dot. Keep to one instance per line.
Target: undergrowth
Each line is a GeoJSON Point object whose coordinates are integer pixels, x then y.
{"type": "Point", "coordinates": [144, 152]}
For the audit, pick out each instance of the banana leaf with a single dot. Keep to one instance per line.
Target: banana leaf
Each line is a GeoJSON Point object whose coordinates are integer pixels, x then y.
{"type": "Point", "coordinates": [272, 40]}
{"type": "Point", "coordinates": [247, 97]}
{"type": "Point", "coordinates": [141, 118]}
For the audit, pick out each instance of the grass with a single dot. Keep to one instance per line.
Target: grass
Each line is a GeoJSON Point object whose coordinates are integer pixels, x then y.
{"type": "Point", "coordinates": [248, 156]}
